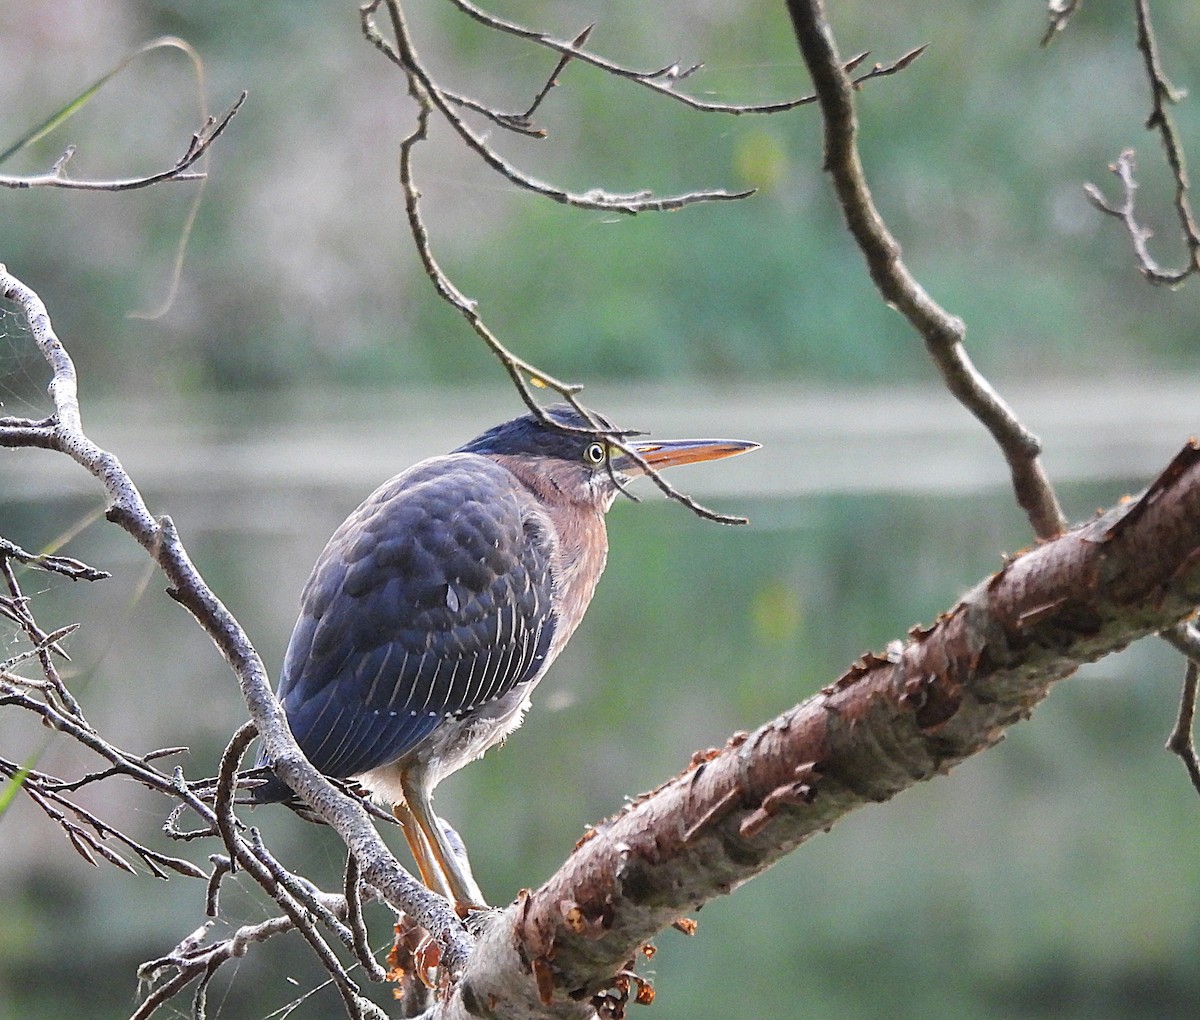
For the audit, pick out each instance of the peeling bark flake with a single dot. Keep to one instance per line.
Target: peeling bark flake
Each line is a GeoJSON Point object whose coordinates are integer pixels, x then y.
{"type": "Point", "coordinates": [543, 976]}
{"type": "Point", "coordinates": [802, 791]}
{"type": "Point", "coordinates": [1171, 474]}
{"type": "Point", "coordinates": [1034, 615]}
{"type": "Point", "coordinates": [715, 813]}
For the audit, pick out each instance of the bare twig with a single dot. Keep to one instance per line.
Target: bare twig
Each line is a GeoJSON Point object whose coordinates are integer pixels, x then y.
{"type": "Point", "coordinates": [352, 893]}
{"type": "Point", "coordinates": [64, 565]}
{"type": "Point", "coordinates": [1123, 210]}
{"type": "Point", "coordinates": [1186, 638]}
{"type": "Point", "coordinates": [201, 142]}
{"type": "Point", "coordinates": [1060, 12]}
{"type": "Point", "coordinates": [95, 777]}
{"type": "Point", "coordinates": [209, 132]}
{"type": "Point", "coordinates": [88, 831]}
{"type": "Point", "coordinates": [522, 123]}
{"type": "Point", "coordinates": [227, 823]}
{"type": "Point", "coordinates": [11, 608]}
{"type": "Point", "coordinates": [403, 54]}
{"type": "Point", "coordinates": [196, 960]}
{"type": "Point", "coordinates": [1162, 95]}
{"type": "Point", "coordinates": [664, 79]}
{"type": "Point", "coordinates": [16, 608]}
{"type": "Point", "coordinates": [431, 99]}
{"type": "Point", "coordinates": [942, 332]}
{"type": "Point", "coordinates": [1182, 741]}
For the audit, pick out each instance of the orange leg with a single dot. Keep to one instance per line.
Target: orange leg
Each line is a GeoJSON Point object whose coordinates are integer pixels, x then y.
{"type": "Point", "coordinates": [431, 875]}
{"type": "Point", "coordinates": [443, 867]}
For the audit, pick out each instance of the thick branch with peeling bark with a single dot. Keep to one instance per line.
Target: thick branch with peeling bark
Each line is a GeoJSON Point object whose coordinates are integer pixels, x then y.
{"type": "Point", "coordinates": [891, 721]}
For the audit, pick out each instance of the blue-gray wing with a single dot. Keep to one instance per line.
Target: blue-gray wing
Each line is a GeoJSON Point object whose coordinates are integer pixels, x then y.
{"type": "Point", "coordinates": [431, 600]}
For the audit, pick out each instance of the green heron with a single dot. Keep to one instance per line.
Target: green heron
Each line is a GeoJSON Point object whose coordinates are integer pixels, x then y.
{"type": "Point", "coordinates": [438, 606]}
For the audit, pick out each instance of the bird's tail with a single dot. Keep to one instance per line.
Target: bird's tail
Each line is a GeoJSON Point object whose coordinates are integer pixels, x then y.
{"type": "Point", "coordinates": [272, 789]}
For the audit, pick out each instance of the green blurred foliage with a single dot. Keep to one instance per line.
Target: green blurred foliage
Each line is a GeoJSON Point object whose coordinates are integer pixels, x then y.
{"type": "Point", "coordinates": [299, 272]}
{"type": "Point", "coordinates": [1051, 877]}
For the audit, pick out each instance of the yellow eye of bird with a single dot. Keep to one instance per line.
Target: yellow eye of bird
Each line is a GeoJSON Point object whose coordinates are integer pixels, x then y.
{"type": "Point", "coordinates": [594, 454]}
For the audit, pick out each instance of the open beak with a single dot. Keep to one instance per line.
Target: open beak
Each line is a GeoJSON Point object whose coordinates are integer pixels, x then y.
{"type": "Point", "coordinates": [665, 453]}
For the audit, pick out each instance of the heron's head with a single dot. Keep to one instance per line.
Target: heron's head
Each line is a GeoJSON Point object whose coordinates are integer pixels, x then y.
{"type": "Point", "coordinates": [581, 458]}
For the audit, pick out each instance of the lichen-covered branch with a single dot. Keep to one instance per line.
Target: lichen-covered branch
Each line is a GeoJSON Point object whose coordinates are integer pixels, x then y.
{"type": "Point", "coordinates": [64, 432]}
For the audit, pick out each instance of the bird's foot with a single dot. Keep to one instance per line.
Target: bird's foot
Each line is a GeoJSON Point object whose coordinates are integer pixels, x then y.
{"type": "Point", "coordinates": [476, 918]}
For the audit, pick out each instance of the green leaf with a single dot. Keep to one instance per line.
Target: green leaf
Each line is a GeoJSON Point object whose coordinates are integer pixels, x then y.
{"type": "Point", "coordinates": [9, 791]}
{"type": "Point", "coordinates": [80, 101]}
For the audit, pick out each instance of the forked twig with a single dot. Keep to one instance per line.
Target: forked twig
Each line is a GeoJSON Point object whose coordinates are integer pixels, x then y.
{"type": "Point", "coordinates": [1060, 12]}
{"type": "Point", "coordinates": [404, 55]}
{"type": "Point", "coordinates": [1182, 741]}
{"type": "Point", "coordinates": [663, 80]}
{"type": "Point", "coordinates": [200, 143]}
{"type": "Point", "coordinates": [1162, 95]}
{"type": "Point", "coordinates": [76, 570]}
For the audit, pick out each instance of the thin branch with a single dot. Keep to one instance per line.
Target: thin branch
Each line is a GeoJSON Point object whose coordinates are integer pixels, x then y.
{"type": "Point", "coordinates": [200, 143]}
{"type": "Point", "coordinates": [227, 824]}
{"type": "Point", "coordinates": [1060, 12]}
{"type": "Point", "coordinates": [1182, 741]}
{"type": "Point", "coordinates": [552, 81]}
{"type": "Point", "coordinates": [1186, 638]}
{"type": "Point", "coordinates": [303, 891]}
{"type": "Point", "coordinates": [11, 608]}
{"type": "Point", "coordinates": [664, 79]}
{"type": "Point", "coordinates": [522, 123]}
{"type": "Point", "coordinates": [95, 777]}
{"type": "Point", "coordinates": [127, 764]}
{"type": "Point", "coordinates": [403, 54]}
{"type": "Point", "coordinates": [87, 832]}
{"type": "Point", "coordinates": [74, 569]}
{"type": "Point", "coordinates": [1124, 211]}
{"type": "Point", "coordinates": [352, 893]}
{"type": "Point", "coordinates": [192, 959]}
{"type": "Point", "coordinates": [941, 331]}
{"type": "Point", "coordinates": [1162, 95]}
{"type": "Point", "coordinates": [524, 375]}
{"type": "Point", "coordinates": [16, 609]}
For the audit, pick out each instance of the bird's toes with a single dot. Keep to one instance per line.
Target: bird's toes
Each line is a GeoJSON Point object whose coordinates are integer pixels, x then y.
{"type": "Point", "coordinates": [475, 917]}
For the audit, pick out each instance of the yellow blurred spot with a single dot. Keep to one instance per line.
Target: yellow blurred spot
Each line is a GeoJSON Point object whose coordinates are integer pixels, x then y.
{"type": "Point", "coordinates": [776, 612]}
{"type": "Point", "coordinates": [538, 382]}
{"type": "Point", "coordinates": [760, 160]}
